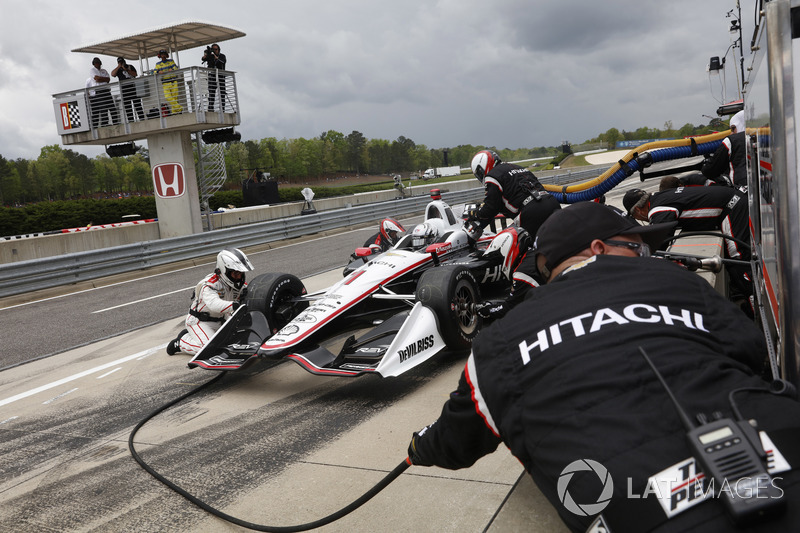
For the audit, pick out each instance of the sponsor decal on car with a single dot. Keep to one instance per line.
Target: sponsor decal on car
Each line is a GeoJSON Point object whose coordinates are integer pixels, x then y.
{"type": "Point", "coordinates": [357, 366]}
{"type": "Point", "coordinates": [492, 274]}
{"type": "Point", "coordinates": [289, 329]}
{"type": "Point", "coordinates": [415, 347]}
{"type": "Point", "coordinates": [244, 346]}
{"type": "Point", "coordinates": [373, 349]}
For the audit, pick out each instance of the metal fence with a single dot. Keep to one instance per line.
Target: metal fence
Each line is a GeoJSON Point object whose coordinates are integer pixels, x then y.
{"type": "Point", "coordinates": [189, 90]}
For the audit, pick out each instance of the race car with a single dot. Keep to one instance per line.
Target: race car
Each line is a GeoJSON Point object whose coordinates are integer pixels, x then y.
{"type": "Point", "coordinates": [386, 316]}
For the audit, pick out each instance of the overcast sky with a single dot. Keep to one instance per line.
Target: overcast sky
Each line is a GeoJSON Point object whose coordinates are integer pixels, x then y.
{"type": "Point", "coordinates": [504, 73]}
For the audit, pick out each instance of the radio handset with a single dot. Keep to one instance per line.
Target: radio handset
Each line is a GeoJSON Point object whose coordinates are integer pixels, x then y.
{"type": "Point", "coordinates": [730, 454]}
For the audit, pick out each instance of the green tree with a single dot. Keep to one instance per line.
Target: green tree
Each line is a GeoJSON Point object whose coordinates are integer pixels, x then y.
{"type": "Point", "coordinates": [356, 146]}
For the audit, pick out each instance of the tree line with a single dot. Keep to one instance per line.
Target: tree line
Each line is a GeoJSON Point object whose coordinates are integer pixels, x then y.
{"type": "Point", "coordinates": [63, 174]}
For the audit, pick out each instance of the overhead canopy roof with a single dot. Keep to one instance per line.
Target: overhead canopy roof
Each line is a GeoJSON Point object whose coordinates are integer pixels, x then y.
{"type": "Point", "coordinates": [177, 37]}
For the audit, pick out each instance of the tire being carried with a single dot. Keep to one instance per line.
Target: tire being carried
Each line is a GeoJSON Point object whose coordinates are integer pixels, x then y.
{"type": "Point", "coordinates": [451, 292]}
{"type": "Point", "coordinates": [274, 295]}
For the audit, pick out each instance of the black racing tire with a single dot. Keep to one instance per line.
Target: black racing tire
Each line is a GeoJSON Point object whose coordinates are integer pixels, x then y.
{"type": "Point", "coordinates": [451, 292]}
{"type": "Point", "coordinates": [273, 295]}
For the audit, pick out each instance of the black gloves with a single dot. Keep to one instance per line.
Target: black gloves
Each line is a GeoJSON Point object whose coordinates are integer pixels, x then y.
{"type": "Point", "coordinates": [242, 295]}
{"type": "Point", "coordinates": [413, 453]}
{"type": "Point", "coordinates": [490, 309]}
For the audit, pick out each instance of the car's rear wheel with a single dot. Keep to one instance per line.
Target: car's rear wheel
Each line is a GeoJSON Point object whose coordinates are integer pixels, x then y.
{"type": "Point", "coordinates": [275, 295]}
{"type": "Point", "coordinates": [451, 292]}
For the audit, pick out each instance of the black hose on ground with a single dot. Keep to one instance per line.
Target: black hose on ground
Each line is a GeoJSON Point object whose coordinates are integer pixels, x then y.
{"type": "Point", "coordinates": [391, 476]}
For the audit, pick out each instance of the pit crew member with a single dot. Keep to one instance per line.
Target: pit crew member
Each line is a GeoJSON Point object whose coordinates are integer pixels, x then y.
{"type": "Point", "coordinates": [215, 299]}
{"type": "Point", "coordinates": [721, 209]}
{"type": "Point", "coordinates": [569, 385]}
{"type": "Point", "coordinates": [511, 190]}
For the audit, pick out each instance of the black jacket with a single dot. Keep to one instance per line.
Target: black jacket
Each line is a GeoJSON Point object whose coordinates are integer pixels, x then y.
{"type": "Point", "coordinates": [507, 187]}
{"type": "Point", "coordinates": [715, 208]}
{"type": "Point", "coordinates": [560, 379]}
{"type": "Point", "coordinates": [729, 161]}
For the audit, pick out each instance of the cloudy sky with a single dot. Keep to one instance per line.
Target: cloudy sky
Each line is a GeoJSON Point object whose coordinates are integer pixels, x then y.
{"type": "Point", "coordinates": [505, 73]}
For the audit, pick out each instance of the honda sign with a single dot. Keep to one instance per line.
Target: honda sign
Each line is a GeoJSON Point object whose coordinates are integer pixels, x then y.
{"type": "Point", "coordinates": [169, 181]}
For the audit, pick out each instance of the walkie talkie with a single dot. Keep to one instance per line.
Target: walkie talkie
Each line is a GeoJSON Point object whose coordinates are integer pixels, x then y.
{"type": "Point", "coordinates": [730, 454]}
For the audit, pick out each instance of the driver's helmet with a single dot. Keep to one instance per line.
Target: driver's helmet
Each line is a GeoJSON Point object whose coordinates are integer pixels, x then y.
{"type": "Point", "coordinates": [483, 162]}
{"type": "Point", "coordinates": [232, 260]}
{"type": "Point", "coordinates": [423, 235]}
{"type": "Point", "coordinates": [511, 244]}
{"type": "Point", "coordinates": [391, 231]}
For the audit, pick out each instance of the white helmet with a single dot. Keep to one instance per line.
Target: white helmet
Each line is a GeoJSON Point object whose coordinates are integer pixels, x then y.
{"type": "Point", "coordinates": [423, 235]}
{"type": "Point", "coordinates": [232, 260]}
{"type": "Point", "coordinates": [483, 162]}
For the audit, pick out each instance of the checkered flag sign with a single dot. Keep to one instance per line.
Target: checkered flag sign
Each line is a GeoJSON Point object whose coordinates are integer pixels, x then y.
{"type": "Point", "coordinates": [70, 115]}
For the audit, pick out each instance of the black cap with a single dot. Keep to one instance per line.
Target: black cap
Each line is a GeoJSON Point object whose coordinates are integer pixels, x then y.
{"type": "Point", "coordinates": [631, 198]}
{"type": "Point", "coordinates": [96, 60]}
{"type": "Point", "coordinates": [573, 229]}
{"type": "Point", "coordinates": [162, 51]}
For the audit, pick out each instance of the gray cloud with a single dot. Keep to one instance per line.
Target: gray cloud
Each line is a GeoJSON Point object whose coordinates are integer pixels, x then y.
{"type": "Point", "coordinates": [508, 73]}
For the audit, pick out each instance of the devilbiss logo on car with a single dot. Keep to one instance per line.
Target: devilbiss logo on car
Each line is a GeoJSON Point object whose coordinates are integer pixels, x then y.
{"type": "Point", "coordinates": [168, 180]}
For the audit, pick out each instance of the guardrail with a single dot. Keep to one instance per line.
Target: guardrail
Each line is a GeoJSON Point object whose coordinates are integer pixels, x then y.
{"type": "Point", "coordinates": [25, 276]}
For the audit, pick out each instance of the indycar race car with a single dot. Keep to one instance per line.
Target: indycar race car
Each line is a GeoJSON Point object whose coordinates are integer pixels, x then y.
{"type": "Point", "coordinates": [387, 315]}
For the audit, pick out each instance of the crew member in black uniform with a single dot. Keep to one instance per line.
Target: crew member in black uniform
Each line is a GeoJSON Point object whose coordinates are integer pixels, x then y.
{"type": "Point", "coordinates": [569, 384]}
{"type": "Point", "coordinates": [715, 208]}
{"type": "Point", "coordinates": [216, 60]}
{"type": "Point", "coordinates": [510, 190]}
{"type": "Point", "coordinates": [728, 163]}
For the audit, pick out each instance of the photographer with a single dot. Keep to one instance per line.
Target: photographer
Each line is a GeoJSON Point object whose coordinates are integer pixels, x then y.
{"type": "Point", "coordinates": [216, 60]}
{"type": "Point", "coordinates": [123, 73]}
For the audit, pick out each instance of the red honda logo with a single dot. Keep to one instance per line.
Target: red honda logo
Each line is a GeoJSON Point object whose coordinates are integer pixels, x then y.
{"type": "Point", "coordinates": [168, 180]}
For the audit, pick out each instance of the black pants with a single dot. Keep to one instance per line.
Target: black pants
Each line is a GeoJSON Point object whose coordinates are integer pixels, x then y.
{"type": "Point", "coordinates": [102, 104]}
{"type": "Point", "coordinates": [132, 103]}
{"type": "Point", "coordinates": [212, 91]}
{"type": "Point", "coordinates": [534, 213]}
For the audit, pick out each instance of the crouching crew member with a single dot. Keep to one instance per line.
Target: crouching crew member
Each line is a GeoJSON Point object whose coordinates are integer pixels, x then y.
{"type": "Point", "coordinates": [215, 299]}
{"type": "Point", "coordinates": [569, 393]}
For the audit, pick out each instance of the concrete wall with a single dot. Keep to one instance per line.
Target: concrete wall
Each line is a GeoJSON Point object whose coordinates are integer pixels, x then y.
{"type": "Point", "coordinates": [52, 245]}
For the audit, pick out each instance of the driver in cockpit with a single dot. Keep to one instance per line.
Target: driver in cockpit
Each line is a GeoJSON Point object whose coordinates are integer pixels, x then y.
{"type": "Point", "coordinates": [426, 233]}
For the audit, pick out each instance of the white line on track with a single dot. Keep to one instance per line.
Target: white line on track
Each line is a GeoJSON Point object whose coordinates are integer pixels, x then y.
{"type": "Point", "coordinates": [51, 400]}
{"type": "Point", "coordinates": [142, 300]}
{"type": "Point", "coordinates": [109, 373]}
{"type": "Point", "coordinates": [79, 375]}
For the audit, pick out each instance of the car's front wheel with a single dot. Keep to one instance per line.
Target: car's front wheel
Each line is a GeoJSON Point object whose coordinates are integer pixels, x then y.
{"type": "Point", "coordinates": [276, 295]}
{"type": "Point", "coordinates": [451, 292]}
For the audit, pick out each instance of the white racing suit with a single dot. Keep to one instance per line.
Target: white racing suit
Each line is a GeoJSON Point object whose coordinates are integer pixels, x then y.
{"type": "Point", "coordinates": [213, 303]}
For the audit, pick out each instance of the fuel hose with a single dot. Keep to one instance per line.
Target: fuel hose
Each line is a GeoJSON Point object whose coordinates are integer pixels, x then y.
{"type": "Point", "coordinates": [391, 476]}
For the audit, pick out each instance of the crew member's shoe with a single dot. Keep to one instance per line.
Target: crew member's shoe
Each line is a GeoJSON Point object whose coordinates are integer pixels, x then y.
{"type": "Point", "coordinates": [175, 345]}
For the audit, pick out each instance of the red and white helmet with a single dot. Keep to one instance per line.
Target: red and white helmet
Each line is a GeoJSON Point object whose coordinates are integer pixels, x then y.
{"type": "Point", "coordinates": [391, 230]}
{"type": "Point", "coordinates": [232, 260]}
{"type": "Point", "coordinates": [511, 243]}
{"type": "Point", "coordinates": [483, 162]}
